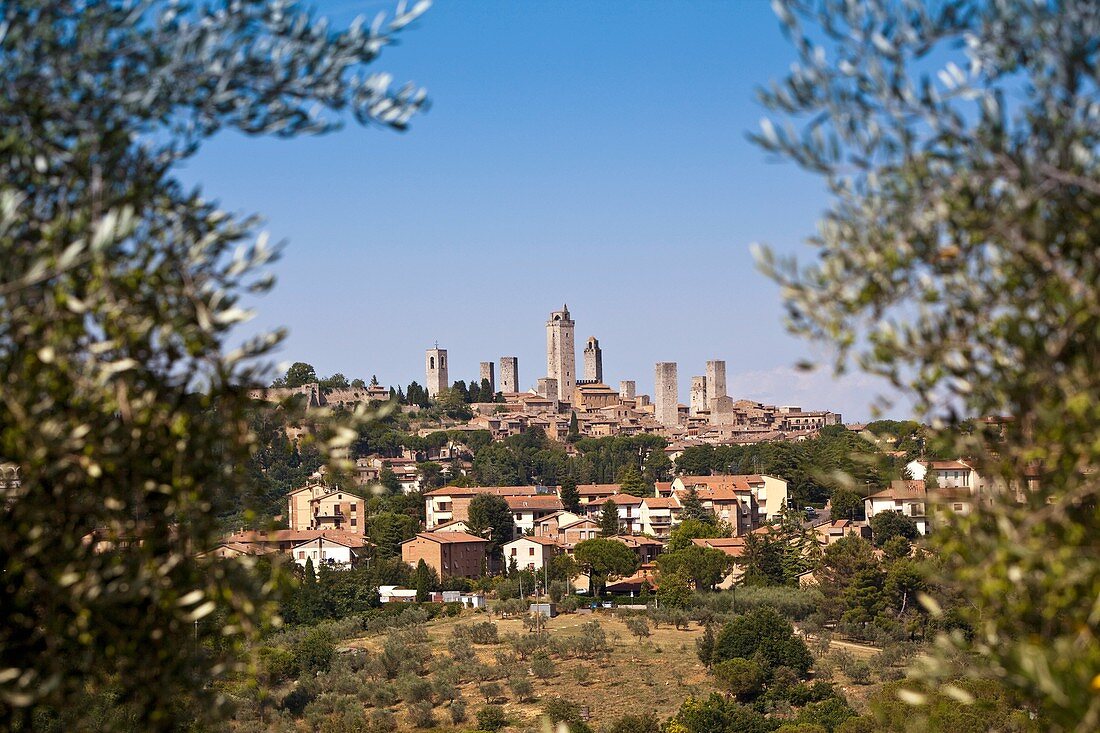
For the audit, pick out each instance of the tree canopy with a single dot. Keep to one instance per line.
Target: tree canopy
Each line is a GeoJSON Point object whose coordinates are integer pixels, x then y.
{"type": "Point", "coordinates": [603, 558]}
{"type": "Point", "coordinates": [124, 400]}
{"type": "Point", "coordinates": [960, 143]}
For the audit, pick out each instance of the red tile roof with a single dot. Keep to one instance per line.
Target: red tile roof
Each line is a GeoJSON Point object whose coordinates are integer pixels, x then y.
{"type": "Point", "coordinates": [297, 536]}
{"type": "Point", "coordinates": [516, 503]}
{"type": "Point", "coordinates": [447, 537]}
{"type": "Point", "coordinates": [902, 490]}
{"type": "Point", "coordinates": [619, 499]}
{"type": "Point", "coordinates": [475, 490]}
{"type": "Point", "coordinates": [598, 489]}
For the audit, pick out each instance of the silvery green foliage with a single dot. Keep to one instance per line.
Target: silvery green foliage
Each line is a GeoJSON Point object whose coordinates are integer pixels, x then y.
{"type": "Point", "coordinates": [959, 259]}
{"type": "Point", "coordinates": [119, 401]}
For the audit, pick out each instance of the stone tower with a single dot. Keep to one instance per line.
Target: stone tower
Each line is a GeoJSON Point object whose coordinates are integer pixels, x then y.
{"type": "Point", "coordinates": [593, 361]}
{"type": "Point", "coordinates": [561, 354]}
{"type": "Point", "coordinates": [716, 381]}
{"type": "Point", "coordinates": [487, 374]}
{"type": "Point", "coordinates": [509, 374]}
{"type": "Point", "coordinates": [665, 397]}
{"type": "Point", "coordinates": [699, 395]}
{"type": "Point", "coordinates": [627, 389]}
{"type": "Point", "coordinates": [435, 369]}
{"type": "Point", "coordinates": [548, 388]}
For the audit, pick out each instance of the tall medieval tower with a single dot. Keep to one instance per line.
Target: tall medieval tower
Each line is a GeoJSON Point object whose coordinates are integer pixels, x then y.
{"type": "Point", "coordinates": [716, 381]}
{"type": "Point", "coordinates": [699, 395]}
{"type": "Point", "coordinates": [435, 370]}
{"type": "Point", "coordinates": [561, 354]}
{"type": "Point", "coordinates": [487, 375]}
{"type": "Point", "coordinates": [665, 394]}
{"type": "Point", "coordinates": [593, 361]}
{"type": "Point", "coordinates": [509, 374]}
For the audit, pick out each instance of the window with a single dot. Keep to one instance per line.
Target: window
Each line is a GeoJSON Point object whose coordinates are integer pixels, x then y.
{"type": "Point", "coordinates": [431, 362]}
{"type": "Point", "coordinates": [958, 507]}
{"type": "Point", "coordinates": [531, 552]}
{"type": "Point", "coordinates": [301, 554]}
{"type": "Point", "coordinates": [513, 552]}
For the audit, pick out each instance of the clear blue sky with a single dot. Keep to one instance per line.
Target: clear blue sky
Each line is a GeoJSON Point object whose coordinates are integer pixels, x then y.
{"type": "Point", "coordinates": [589, 153]}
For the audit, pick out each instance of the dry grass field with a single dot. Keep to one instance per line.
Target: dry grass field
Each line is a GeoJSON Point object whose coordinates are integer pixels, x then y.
{"type": "Point", "coordinates": [653, 675]}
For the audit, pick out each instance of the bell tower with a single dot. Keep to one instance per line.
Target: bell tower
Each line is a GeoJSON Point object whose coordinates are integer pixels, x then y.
{"type": "Point", "coordinates": [561, 353]}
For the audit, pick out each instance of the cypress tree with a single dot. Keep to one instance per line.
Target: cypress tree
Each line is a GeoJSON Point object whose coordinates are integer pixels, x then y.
{"type": "Point", "coordinates": [609, 519]}
{"type": "Point", "coordinates": [570, 497]}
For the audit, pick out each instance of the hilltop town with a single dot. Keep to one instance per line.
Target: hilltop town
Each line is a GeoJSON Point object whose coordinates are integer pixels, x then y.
{"type": "Point", "coordinates": [566, 401]}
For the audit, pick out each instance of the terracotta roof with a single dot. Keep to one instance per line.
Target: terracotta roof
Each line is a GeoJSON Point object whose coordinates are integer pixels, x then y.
{"type": "Point", "coordinates": [631, 540]}
{"type": "Point", "coordinates": [663, 502]}
{"type": "Point", "coordinates": [298, 535]}
{"type": "Point", "coordinates": [534, 502]}
{"type": "Point", "coordinates": [598, 489]}
{"type": "Point", "coordinates": [949, 466]}
{"type": "Point", "coordinates": [554, 515]}
{"type": "Point", "coordinates": [444, 527]}
{"type": "Point", "coordinates": [742, 482]}
{"type": "Point", "coordinates": [475, 490]}
{"type": "Point", "coordinates": [732, 546]}
{"type": "Point", "coordinates": [951, 493]}
{"type": "Point", "coordinates": [352, 542]}
{"type": "Point", "coordinates": [536, 540]}
{"type": "Point", "coordinates": [582, 520]}
{"type": "Point", "coordinates": [619, 499]}
{"type": "Point", "coordinates": [245, 548]}
{"type": "Point", "coordinates": [902, 490]}
{"type": "Point", "coordinates": [447, 537]}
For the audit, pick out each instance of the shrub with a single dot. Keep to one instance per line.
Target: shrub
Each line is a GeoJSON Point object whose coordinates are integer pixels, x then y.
{"type": "Point", "coordinates": [592, 641]}
{"type": "Point", "coordinates": [490, 691]}
{"type": "Point", "coordinates": [560, 710]}
{"type": "Point", "coordinates": [421, 715]}
{"type": "Point", "coordinates": [278, 663]}
{"type": "Point", "coordinates": [491, 718]}
{"type": "Point", "coordinates": [381, 721]}
{"type": "Point", "coordinates": [680, 620]}
{"type": "Point", "coordinates": [829, 713]}
{"type": "Point", "coordinates": [558, 590]}
{"type": "Point", "coordinates": [542, 666]}
{"type": "Point", "coordinates": [380, 695]}
{"type": "Point", "coordinates": [740, 677]}
{"type": "Point", "coordinates": [521, 687]}
{"type": "Point", "coordinates": [525, 645]}
{"type": "Point", "coordinates": [635, 724]}
{"type": "Point", "coordinates": [314, 652]}
{"type": "Point", "coordinates": [458, 710]}
{"type": "Point", "coordinates": [704, 645]}
{"type": "Point", "coordinates": [569, 604]}
{"type": "Point", "coordinates": [638, 626]}
{"type": "Point", "coordinates": [460, 648]}
{"type": "Point", "coordinates": [716, 713]}
{"type": "Point", "coordinates": [765, 633]}
{"type": "Point", "coordinates": [484, 632]}
{"type": "Point", "coordinates": [414, 689]}
{"type": "Point", "coordinates": [859, 672]}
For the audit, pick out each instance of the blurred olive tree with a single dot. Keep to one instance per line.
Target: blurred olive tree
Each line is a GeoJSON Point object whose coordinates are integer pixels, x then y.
{"type": "Point", "coordinates": [120, 401]}
{"type": "Point", "coordinates": [959, 259]}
